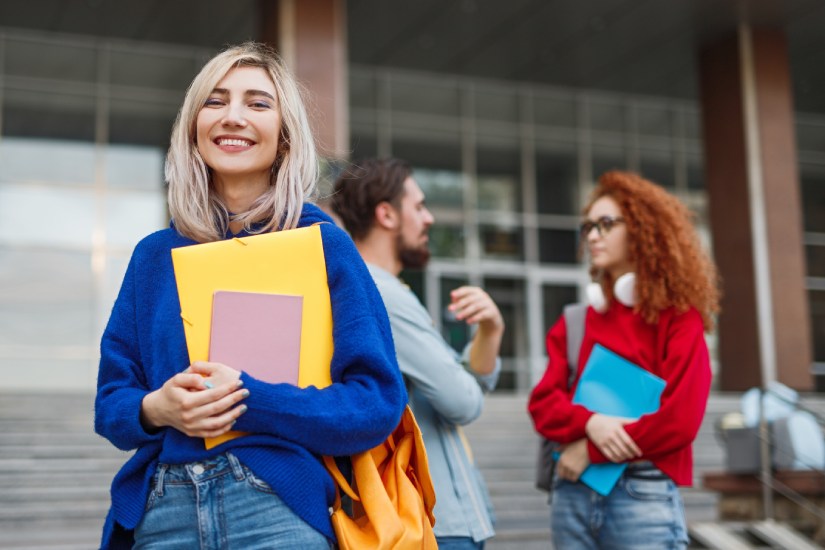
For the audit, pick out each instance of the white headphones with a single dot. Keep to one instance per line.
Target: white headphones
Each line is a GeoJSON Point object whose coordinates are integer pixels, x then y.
{"type": "Point", "coordinates": [624, 290]}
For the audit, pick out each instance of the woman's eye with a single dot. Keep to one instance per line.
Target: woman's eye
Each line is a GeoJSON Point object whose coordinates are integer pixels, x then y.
{"type": "Point", "coordinates": [213, 102]}
{"type": "Point", "coordinates": [260, 105]}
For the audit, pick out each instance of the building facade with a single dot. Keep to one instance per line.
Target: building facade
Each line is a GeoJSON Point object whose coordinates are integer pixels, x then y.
{"type": "Point", "coordinates": [85, 116]}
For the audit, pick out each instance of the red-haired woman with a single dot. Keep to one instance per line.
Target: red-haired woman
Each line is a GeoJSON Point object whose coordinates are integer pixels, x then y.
{"type": "Point", "coordinates": [653, 297]}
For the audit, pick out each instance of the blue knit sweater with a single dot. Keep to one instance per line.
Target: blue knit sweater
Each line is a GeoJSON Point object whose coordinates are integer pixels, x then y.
{"type": "Point", "coordinates": [144, 345]}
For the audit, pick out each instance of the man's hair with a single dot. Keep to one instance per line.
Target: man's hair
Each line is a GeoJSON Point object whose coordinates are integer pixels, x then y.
{"type": "Point", "coordinates": [365, 184]}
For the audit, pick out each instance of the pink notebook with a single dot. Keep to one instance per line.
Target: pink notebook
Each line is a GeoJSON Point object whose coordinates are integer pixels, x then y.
{"type": "Point", "coordinates": [257, 333]}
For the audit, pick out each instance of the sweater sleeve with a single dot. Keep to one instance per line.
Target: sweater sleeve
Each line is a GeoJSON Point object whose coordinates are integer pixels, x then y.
{"type": "Point", "coordinates": [554, 415]}
{"type": "Point", "coordinates": [121, 383]}
{"type": "Point", "coordinates": [686, 370]}
{"type": "Point", "coordinates": [365, 401]}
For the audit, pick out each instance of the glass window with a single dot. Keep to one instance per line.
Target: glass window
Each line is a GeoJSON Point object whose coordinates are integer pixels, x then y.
{"type": "Point", "coordinates": [813, 200]}
{"type": "Point", "coordinates": [362, 90]}
{"type": "Point", "coordinates": [695, 173]}
{"type": "Point", "coordinates": [502, 242]}
{"type": "Point", "coordinates": [52, 60]}
{"type": "Point", "coordinates": [657, 166]}
{"type": "Point", "coordinates": [141, 123]}
{"type": "Point", "coordinates": [654, 121]}
{"type": "Point", "coordinates": [455, 332]}
{"type": "Point", "coordinates": [69, 162]}
{"type": "Point", "coordinates": [46, 215]}
{"type": "Point", "coordinates": [499, 176]}
{"type": "Point", "coordinates": [134, 166]}
{"type": "Point", "coordinates": [693, 124]}
{"type": "Point", "coordinates": [815, 256]}
{"type": "Point", "coordinates": [607, 116]}
{"type": "Point", "coordinates": [502, 105]}
{"type": "Point", "coordinates": [606, 159]}
{"type": "Point", "coordinates": [555, 111]}
{"type": "Point", "coordinates": [423, 96]}
{"type": "Point", "coordinates": [810, 136]}
{"type": "Point", "coordinates": [509, 296]}
{"type": "Point", "coordinates": [447, 241]}
{"type": "Point", "coordinates": [363, 146]}
{"type": "Point", "coordinates": [414, 278]}
{"type": "Point", "coordinates": [554, 298]}
{"type": "Point", "coordinates": [150, 70]}
{"type": "Point", "coordinates": [557, 176]}
{"type": "Point", "coordinates": [558, 246]}
{"type": "Point", "coordinates": [130, 216]}
{"type": "Point", "coordinates": [45, 297]}
{"type": "Point", "coordinates": [48, 115]}
{"type": "Point", "coordinates": [437, 169]}
{"type": "Point", "coordinates": [816, 299]}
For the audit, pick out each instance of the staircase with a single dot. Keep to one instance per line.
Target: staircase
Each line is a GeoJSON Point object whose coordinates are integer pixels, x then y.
{"type": "Point", "coordinates": [55, 474]}
{"type": "Point", "coordinates": [505, 449]}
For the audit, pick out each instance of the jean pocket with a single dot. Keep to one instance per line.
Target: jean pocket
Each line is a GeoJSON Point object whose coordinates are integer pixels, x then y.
{"type": "Point", "coordinates": [649, 489]}
{"type": "Point", "coordinates": [257, 483]}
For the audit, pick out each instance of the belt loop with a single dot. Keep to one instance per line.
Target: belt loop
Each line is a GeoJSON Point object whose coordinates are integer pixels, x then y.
{"type": "Point", "coordinates": [237, 469]}
{"type": "Point", "coordinates": [161, 473]}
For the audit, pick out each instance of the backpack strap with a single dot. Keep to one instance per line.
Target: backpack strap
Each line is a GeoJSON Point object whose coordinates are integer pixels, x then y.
{"type": "Point", "coordinates": [574, 316]}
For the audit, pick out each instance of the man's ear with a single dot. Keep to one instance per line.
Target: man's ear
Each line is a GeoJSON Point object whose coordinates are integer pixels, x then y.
{"type": "Point", "coordinates": [386, 215]}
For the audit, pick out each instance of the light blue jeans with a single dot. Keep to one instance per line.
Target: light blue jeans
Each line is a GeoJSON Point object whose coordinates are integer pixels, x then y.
{"type": "Point", "coordinates": [219, 504]}
{"type": "Point", "coordinates": [643, 512]}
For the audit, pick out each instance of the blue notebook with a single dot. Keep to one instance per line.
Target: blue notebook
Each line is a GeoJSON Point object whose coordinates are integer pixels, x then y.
{"type": "Point", "coordinates": [614, 386]}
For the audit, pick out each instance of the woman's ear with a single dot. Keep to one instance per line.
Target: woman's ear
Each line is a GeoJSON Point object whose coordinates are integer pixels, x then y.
{"type": "Point", "coordinates": [386, 215]}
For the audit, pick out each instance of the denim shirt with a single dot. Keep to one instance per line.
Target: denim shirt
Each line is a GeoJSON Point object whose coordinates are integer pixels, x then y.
{"type": "Point", "coordinates": [444, 395]}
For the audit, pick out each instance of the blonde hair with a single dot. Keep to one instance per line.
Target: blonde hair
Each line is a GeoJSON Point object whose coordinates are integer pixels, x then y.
{"type": "Point", "coordinates": [198, 212]}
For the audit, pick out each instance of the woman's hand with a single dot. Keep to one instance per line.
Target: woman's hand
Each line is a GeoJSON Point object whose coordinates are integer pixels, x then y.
{"type": "Point", "coordinates": [200, 402]}
{"type": "Point", "coordinates": [573, 460]}
{"type": "Point", "coordinates": [608, 434]}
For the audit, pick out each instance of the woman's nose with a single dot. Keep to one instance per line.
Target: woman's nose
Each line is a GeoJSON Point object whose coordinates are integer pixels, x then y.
{"type": "Point", "coordinates": [234, 116]}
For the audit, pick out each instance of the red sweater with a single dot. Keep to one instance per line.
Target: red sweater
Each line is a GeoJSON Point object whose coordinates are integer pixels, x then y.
{"type": "Point", "coordinates": [673, 349]}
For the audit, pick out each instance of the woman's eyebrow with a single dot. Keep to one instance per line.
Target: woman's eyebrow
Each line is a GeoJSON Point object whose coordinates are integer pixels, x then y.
{"type": "Point", "coordinates": [248, 93]}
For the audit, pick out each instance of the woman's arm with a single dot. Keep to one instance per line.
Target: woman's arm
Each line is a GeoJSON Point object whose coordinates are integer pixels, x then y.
{"type": "Point", "coordinates": [554, 415]}
{"type": "Point", "coordinates": [121, 382]}
{"type": "Point", "coordinates": [686, 369]}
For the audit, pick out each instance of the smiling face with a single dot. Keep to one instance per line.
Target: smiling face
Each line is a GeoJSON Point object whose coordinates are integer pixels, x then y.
{"type": "Point", "coordinates": [238, 128]}
{"type": "Point", "coordinates": [608, 243]}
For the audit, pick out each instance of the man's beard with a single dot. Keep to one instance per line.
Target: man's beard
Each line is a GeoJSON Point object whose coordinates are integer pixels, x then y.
{"type": "Point", "coordinates": [412, 257]}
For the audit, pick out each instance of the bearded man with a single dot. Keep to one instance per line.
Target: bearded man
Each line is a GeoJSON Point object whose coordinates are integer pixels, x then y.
{"type": "Point", "coordinates": [383, 208]}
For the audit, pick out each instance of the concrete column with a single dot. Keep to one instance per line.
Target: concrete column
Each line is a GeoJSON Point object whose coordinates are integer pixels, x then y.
{"type": "Point", "coordinates": [310, 36]}
{"type": "Point", "coordinates": [756, 217]}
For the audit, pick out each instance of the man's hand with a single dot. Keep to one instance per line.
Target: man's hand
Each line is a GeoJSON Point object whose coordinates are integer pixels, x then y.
{"type": "Point", "coordinates": [472, 305]}
{"type": "Point", "coordinates": [608, 434]}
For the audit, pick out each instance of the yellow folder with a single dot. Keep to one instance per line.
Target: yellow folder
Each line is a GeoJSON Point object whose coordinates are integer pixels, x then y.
{"type": "Point", "coordinates": [282, 262]}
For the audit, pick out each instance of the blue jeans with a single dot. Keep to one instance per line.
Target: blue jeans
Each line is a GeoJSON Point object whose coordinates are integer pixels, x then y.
{"type": "Point", "coordinates": [459, 543]}
{"type": "Point", "coordinates": [643, 512]}
{"type": "Point", "coordinates": [219, 504]}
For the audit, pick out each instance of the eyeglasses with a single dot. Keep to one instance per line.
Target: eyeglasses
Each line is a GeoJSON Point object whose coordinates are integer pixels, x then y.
{"type": "Point", "coordinates": [603, 225]}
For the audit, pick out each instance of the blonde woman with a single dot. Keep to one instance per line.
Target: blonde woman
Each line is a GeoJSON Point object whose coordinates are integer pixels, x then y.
{"type": "Point", "coordinates": [242, 161]}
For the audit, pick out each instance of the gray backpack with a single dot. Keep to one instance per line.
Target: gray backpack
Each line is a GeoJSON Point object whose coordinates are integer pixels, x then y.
{"type": "Point", "coordinates": [574, 316]}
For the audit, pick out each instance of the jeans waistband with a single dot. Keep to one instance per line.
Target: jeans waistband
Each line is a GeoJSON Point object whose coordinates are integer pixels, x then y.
{"type": "Point", "coordinates": [644, 469]}
{"type": "Point", "coordinates": [197, 472]}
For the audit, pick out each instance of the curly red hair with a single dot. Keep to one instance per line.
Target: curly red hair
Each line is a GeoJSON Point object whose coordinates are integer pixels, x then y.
{"type": "Point", "coordinates": [672, 268]}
